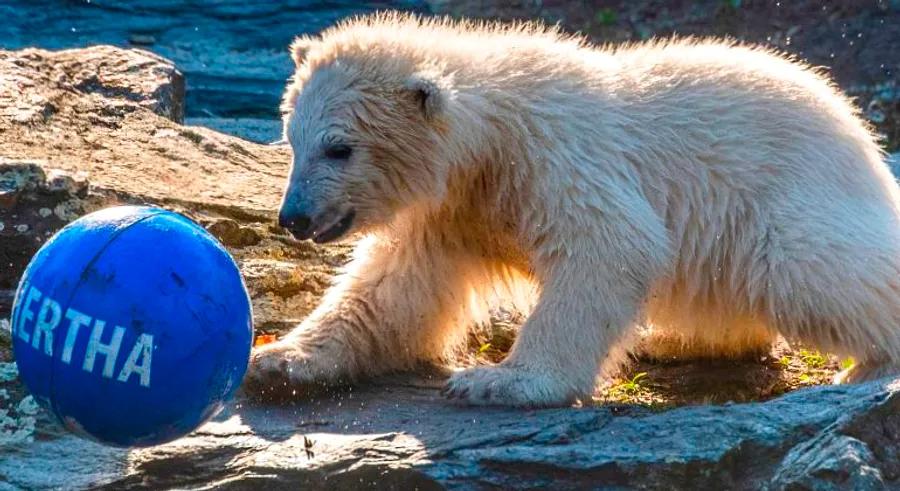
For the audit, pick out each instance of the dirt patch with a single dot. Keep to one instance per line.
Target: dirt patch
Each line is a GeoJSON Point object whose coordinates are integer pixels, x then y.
{"type": "Point", "coordinates": [665, 385]}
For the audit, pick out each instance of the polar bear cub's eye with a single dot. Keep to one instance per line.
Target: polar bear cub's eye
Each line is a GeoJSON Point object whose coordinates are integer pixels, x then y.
{"type": "Point", "coordinates": [338, 151]}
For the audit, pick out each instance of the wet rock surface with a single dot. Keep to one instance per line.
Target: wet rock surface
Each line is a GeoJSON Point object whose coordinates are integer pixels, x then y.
{"type": "Point", "coordinates": [400, 434]}
{"type": "Point", "coordinates": [392, 433]}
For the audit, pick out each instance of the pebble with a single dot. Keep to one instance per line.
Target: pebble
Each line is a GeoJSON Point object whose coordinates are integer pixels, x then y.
{"type": "Point", "coordinates": [165, 133]}
{"type": "Point", "coordinates": [142, 39]}
{"type": "Point", "coordinates": [8, 371]}
{"type": "Point", "coordinates": [233, 234]}
{"type": "Point", "coordinates": [67, 211]}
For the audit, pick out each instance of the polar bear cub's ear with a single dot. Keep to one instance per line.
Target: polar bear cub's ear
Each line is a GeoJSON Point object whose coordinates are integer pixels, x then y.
{"type": "Point", "coordinates": [429, 93]}
{"type": "Point", "coordinates": [300, 48]}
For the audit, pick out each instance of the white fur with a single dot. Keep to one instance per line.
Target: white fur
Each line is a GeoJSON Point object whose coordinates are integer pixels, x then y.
{"type": "Point", "coordinates": [715, 192]}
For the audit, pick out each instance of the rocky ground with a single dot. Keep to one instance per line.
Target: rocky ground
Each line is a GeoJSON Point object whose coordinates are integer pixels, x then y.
{"type": "Point", "coordinates": [85, 129]}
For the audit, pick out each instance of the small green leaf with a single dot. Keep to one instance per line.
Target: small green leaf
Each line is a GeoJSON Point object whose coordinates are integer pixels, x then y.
{"type": "Point", "coordinates": [847, 363]}
{"type": "Point", "coordinates": [813, 359]}
{"type": "Point", "coordinates": [605, 16]}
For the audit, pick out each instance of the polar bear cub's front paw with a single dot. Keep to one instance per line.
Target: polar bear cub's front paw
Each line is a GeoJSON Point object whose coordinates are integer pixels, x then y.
{"type": "Point", "coordinates": [503, 385]}
{"type": "Point", "coordinates": [286, 366]}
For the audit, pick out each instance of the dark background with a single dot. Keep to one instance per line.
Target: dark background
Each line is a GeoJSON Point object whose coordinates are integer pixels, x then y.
{"type": "Point", "coordinates": [234, 52]}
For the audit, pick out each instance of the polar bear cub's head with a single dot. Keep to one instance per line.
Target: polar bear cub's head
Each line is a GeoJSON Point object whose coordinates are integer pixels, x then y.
{"type": "Point", "coordinates": [363, 122]}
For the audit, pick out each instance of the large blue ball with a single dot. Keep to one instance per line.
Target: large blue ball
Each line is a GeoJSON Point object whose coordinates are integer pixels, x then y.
{"type": "Point", "coordinates": [132, 325]}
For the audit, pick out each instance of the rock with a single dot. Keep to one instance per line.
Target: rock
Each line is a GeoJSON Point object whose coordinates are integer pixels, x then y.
{"type": "Point", "coordinates": [63, 182]}
{"type": "Point", "coordinates": [101, 70]}
{"type": "Point", "coordinates": [28, 193]}
{"type": "Point", "coordinates": [830, 462]}
{"type": "Point", "coordinates": [16, 178]}
{"type": "Point", "coordinates": [283, 292]}
{"type": "Point", "coordinates": [232, 234]}
{"type": "Point", "coordinates": [115, 115]}
{"type": "Point", "coordinates": [402, 434]}
{"type": "Point", "coordinates": [142, 39]}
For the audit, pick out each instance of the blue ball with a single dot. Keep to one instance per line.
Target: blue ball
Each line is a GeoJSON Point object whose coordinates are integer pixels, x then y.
{"type": "Point", "coordinates": [132, 326]}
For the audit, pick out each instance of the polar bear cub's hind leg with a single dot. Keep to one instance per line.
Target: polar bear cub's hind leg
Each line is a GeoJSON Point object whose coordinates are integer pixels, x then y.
{"type": "Point", "coordinates": [844, 300]}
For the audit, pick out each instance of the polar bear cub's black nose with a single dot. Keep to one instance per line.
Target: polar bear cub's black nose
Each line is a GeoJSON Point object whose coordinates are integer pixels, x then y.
{"type": "Point", "coordinates": [298, 225]}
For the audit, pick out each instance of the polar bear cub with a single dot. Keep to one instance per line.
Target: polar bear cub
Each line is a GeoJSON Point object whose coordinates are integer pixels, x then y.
{"type": "Point", "coordinates": [721, 194]}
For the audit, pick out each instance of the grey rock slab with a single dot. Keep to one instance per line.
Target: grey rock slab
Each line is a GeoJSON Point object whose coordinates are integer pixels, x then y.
{"type": "Point", "coordinates": [830, 461]}
{"type": "Point", "coordinates": [401, 434]}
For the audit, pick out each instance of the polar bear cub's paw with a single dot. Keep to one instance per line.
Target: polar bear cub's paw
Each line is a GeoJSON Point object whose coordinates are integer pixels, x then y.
{"type": "Point", "coordinates": [503, 385]}
{"type": "Point", "coordinates": [285, 367]}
